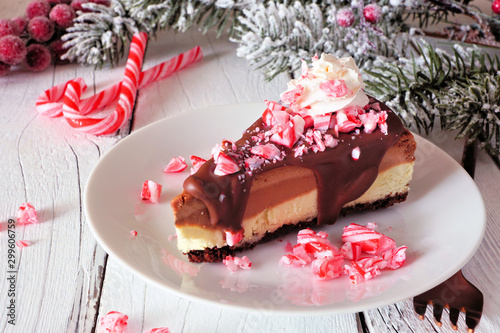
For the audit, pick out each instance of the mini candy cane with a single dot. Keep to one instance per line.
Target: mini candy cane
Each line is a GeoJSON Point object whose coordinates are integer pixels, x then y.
{"type": "Point", "coordinates": [126, 101]}
{"type": "Point", "coordinates": [50, 103]}
{"type": "Point", "coordinates": [168, 67]}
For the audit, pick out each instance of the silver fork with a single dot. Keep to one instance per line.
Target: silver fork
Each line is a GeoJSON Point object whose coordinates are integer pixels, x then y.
{"type": "Point", "coordinates": [457, 293]}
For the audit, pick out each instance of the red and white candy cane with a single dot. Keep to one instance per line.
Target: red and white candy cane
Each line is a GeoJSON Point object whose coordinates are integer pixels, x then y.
{"type": "Point", "coordinates": [126, 100]}
{"type": "Point", "coordinates": [168, 67]}
{"type": "Point", "coordinates": [50, 103]}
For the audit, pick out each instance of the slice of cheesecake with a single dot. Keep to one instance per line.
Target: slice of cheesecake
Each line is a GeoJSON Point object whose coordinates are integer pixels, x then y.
{"type": "Point", "coordinates": [326, 150]}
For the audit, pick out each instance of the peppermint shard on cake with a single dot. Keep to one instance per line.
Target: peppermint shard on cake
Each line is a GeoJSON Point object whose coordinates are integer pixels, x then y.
{"type": "Point", "coordinates": [325, 149]}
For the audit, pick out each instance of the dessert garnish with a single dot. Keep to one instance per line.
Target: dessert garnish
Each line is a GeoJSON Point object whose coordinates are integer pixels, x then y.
{"type": "Point", "coordinates": [176, 164]}
{"type": "Point", "coordinates": [327, 261]}
{"type": "Point", "coordinates": [151, 191]}
{"type": "Point", "coordinates": [26, 214]}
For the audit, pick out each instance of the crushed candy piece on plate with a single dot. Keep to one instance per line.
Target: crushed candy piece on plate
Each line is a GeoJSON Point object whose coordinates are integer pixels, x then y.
{"type": "Point", "coordinates": [151, 191]}
{"type": "Point", "coordinates": [176, 164]}
{"type": "Point", "coordinates": [327, 268]}
{"type": "Point", "coordinates": [233, 263]}
{"type": "Point", "coordinates": [327, 261]}
{"type": "Point", "coordinates": [370, 241]}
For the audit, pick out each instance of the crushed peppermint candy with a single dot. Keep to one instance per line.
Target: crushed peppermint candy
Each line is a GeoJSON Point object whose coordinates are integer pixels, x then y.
{"type": "Point", "coordinates": [23, 243]}
{"type": "Point", "coordinates": [233, 238]}
{"type": "Point", "coordinates": [158, 330]}
{"type": "Point", "coordinates": [151, 191]}
{"type": "Point", "coordinates": [225, 165]}
{"type": "Point", "coordinates": [268, 151]}
{"type": "Point", "coordinates": [26, 214]}
{"type": "Point", "coordinates": [114, 322]}
{"type": "Point", "coordinates": [292, 96]}
{"type": "Point", "coordinates": [371, 242]}
{"type": "Point", "coordinates": [176, 164]}
{"type": "Point", "coordinates": [335, 88]}
{"type": "Point", "coordinates": [327, 261]}
{"type": "Point", "coordinates": [197, 162]}
{"type": "Point", "coordinates": [133, 234]}
{"type": "Point", "coordinates": [356, 152]}
{"type": "Point", "coordinates": [233, 263]}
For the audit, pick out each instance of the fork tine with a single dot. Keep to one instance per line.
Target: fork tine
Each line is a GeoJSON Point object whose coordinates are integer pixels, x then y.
{"type": "Point", "coordinates": [437, 311]}
{"type": "Point", "coordinates": [454, 313]}
{"type": "Point", "coordinates": [420, 306]}
{"type": "Point", "coordinates": [472, 319]}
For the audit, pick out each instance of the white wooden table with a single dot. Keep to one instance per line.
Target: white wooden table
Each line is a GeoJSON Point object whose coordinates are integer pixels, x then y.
{"type": "Point", "coordinates": [66, 282]}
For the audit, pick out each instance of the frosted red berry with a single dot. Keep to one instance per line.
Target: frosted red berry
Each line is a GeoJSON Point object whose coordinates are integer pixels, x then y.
{"type": "Point", "coordinates": [41, 29]}
{"type": "Point", "coordinates": [21, 23]}
{"type": "Point", "coordinates": [37, 8]}
{"type": "Point", "coordinates": [58, 51]}
{"type": "Point", "coordinates": [101, 2]}
{"type": "Point", "coordinates": [495, 6]}
{"type": "Point", "coordinates": [62, 15]}
{"type": "Point", "coordinates": [372, 13]}
{"type": "Point", "coordinates": [56, 2]}
{"type": "Point", "coordinates": [8, 27]}
{"type": "Point", "coordinates": [4, 68]}
{"type": "Point", "coordinates": [345, 17]}
{"type": "Point", "coordinates": [12, 50]}
{"type": "Point", "coordinates": [77, 5]}
{"type": "Point", "coordinates": [38, 57]}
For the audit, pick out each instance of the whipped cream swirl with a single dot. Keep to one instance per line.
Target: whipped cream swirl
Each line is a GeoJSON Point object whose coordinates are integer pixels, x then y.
{"type": "Point", "coordinates": [332, 84]}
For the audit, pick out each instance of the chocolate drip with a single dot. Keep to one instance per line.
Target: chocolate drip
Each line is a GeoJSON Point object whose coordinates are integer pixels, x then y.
{"type": "Point", "coordinates": [340, 179]}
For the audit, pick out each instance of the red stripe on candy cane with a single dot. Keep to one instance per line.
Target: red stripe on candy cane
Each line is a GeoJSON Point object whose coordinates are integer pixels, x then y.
{"type": "Point", "coordinates": [126, 100]}
{"type": "Point", "coordinates": [65, 99]}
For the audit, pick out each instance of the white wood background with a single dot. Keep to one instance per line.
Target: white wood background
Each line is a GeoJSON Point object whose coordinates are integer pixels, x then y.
{"type": "Point", "coordinates": [66, 282]}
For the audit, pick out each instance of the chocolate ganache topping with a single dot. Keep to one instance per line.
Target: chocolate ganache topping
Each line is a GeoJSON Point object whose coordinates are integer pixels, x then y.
{"type": "Point", "coordinates": [325, 123]}
{"type": "Point", "coordinates": [341, 175]}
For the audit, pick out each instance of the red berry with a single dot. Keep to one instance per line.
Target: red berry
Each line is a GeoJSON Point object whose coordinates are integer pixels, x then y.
{"type": "Point", "coordinates": [101, 2]}
{"type": "Point", "coordinates": [77, 5]}
{"type": "Point", "coordinates": [21, 23]}
{"type": "Point", "coordinates": [62, 15]}
{"type": "Point", "coordinates": [37, 8]}
{"type": "Point", "coordinates": [12, 50]}
{"type": "Point", "coordinates": [56, 2]}
{"type": "Point", "coordinates": [495, 6]}
{"type": "Point", "coordinates": [58, 51]}
{"type": "Point", "coordinates": [4, 68]}
{"type": "Point", "coordinates": [38, 57]}
{"type": "Point", "coordinates": [345, 17]}
{"type": "Point", "coordinates": [372, 13]}
{"type": "Point", "coordinates": [8, 27]}
{"type": "Point", "coordinates": [41, 28]}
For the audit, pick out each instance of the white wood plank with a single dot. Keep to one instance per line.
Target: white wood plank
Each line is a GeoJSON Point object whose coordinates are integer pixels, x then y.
{"type": "Point", "coordinates": [43, 161]}
{"type": "Point", "coordinates": [47, 164]}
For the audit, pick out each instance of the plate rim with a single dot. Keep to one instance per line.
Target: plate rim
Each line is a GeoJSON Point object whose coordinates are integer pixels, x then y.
{"type": "Point", "coordinates": [302, 311]}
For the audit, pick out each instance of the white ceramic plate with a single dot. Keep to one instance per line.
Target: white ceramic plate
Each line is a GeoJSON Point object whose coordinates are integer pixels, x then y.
{"type": "Point", "coordinates": [442, 223]}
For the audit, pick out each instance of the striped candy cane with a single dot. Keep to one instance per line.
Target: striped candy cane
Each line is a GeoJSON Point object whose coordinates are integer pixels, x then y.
{"type": "Point", "coordinates": [126, 100]}
{"type": "Point", "coordinates": [65, 99]}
